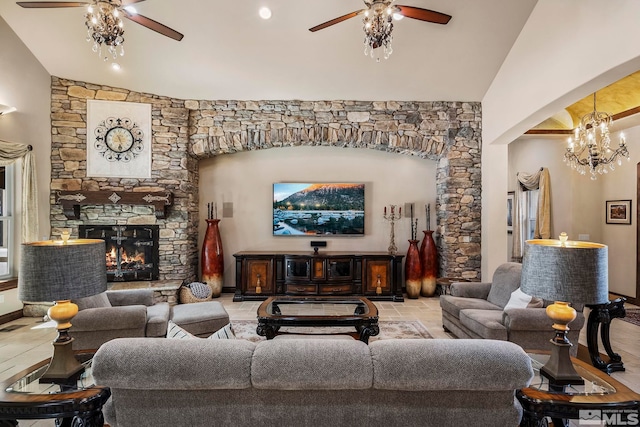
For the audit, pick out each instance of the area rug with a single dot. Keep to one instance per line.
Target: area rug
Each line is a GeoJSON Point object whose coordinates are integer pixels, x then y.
{"type": "Point", "coordinates": [632, 316]}
{"type": "Point", "coordinates": [404, 329]}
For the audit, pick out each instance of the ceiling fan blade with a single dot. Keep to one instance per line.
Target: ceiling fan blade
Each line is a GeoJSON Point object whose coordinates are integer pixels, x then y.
{"type": "Point", "coordinates": [424, 14]}
{"type": "Point", "coordinates": [154, 25]}
{"type": "Point", "coordinates": [336, 20]}
{"type": "Point", "coordinates": [40, 4]}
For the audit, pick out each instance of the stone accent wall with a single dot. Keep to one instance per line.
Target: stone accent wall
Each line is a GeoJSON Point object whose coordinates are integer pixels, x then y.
{"type": "Point", "coordinates": [172, 170]}
{"type": "Point", "coordinates": [447, 132]}
{"type": "Point", "coordinates": [185, 131]}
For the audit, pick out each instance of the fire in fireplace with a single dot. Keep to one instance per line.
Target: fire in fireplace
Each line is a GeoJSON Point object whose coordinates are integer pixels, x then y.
{"type": "Point", "coordinates": [132, 250]}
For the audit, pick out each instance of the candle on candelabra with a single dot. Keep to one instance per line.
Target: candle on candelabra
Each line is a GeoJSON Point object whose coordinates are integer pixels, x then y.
{"type": "Point", "coordinates": [215, 210]}
{"type": "Point", "coordinates": [385, 211]}
{"type": "Point", "coordinates": [400, 211]}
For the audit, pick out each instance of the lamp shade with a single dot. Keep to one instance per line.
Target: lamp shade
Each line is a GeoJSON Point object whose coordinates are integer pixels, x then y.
{"type": "Point", "coordinates": [53, 271]}
{"type": "Point", "coordinates": [575, 272]}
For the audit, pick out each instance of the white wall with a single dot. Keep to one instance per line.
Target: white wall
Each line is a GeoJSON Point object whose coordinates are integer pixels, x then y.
{"type": "Point", "coordinates": [26, 85]}
{"type": "Point", "coordinates": [546, 70]}
{"type": "Point", "coordinates": [622, 239]}
{"type": "Point", "coordinates": [246, 180]}
{"type": "Point", "coordinates": [578, 203]}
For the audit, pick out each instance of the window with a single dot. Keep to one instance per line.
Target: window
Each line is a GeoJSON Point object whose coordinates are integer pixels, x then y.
{"type": "Point", "coordinates": [6, 221]}
{"type": "Point", "coordinates": [532, 211]}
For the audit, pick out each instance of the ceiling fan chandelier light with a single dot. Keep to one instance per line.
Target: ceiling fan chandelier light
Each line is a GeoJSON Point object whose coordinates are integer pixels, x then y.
{"type": "Point", "coordinates": [590, 148]}
{"type": "Point", "coordinates": [105, 27]}
{"type": "Point", "coordinates": [378, 25]}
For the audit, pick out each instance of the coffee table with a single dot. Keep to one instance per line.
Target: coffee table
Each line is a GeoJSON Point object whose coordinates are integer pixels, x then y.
{"type": "Point", "coordinates": [601, 397]}
{"type": "Point", "coordinates": [23, 397]}
{"type": "Point", "coordinates": [349, 311]}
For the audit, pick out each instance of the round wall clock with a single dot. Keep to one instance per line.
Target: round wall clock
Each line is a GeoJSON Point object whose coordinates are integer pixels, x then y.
{"type": "Point", "coordinates": [118, 139]}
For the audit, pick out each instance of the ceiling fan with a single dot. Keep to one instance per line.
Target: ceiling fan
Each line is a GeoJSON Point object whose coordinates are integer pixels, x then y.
{"type": "Point", "coordinates": [378, 22]}
{"type": "Point", "coordinates": [103, 21]}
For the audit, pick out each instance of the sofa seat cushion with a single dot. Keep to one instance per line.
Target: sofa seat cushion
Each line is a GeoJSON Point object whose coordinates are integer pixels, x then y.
{"type": "Point", "coordinates": [157, 318]}
{"type": "Point", "coordinates": [453, 305]}
{"type": "Point", "coordinates": [312, 364]}
{"type": "Point", "coordinates": [200, 318]}
{"type": "Point", "coordinates": [485, 323]}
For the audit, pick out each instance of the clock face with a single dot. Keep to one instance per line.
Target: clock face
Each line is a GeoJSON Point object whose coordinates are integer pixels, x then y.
{"type": "Point", "coordinates": [119, 139]}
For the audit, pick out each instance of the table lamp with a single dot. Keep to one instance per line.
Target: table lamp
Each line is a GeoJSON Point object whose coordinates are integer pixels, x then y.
{"type": "Point", "coordinates": [61, 271]}
{"type": "Point", "coordinates": [565, 272]}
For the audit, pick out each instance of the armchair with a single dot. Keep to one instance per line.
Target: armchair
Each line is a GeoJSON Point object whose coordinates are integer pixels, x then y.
{"type": "Point", "coordinates": [118, 314]}
{"type": "Point", "coordinates": [486, 310]}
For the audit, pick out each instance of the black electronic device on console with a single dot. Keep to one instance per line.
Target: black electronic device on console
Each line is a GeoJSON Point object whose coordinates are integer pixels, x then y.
{"type": "Point", "coordinates": [315, 244]}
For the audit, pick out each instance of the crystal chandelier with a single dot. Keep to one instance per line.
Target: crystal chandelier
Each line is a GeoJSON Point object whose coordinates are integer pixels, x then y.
{"type": "Point", "coordinates": [378, 25]}
{"type": "Point", "coordinates": [104, 27]}
{"type": "Point", "coordinates": [590, 149]}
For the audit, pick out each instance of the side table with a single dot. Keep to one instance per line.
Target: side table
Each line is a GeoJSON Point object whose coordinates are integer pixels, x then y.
{"type": "Point", "coordinates": [23, 397]}
{"type": "Point", "coordinates": [600, 318]}
{"type": "Point", "coordinates": [600, 398]}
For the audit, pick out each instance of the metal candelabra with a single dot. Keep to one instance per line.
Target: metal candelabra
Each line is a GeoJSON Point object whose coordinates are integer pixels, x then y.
{"type": "Point", "coordinates": [392, 215]}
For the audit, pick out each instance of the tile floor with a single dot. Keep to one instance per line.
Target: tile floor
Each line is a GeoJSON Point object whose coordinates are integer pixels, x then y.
{"type": "Point", "coordinates": [24, 346]}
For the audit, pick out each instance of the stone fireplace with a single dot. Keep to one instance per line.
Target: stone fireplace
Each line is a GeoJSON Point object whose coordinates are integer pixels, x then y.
{"type": "Point", "coordinates": [131, 250]}
{"type": "Point", "coordinates": [186, 131]}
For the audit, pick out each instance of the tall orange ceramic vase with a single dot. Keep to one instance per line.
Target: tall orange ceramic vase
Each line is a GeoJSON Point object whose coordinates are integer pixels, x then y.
{"type": "Point", "coordinates": [212, 257]}
{"type": "Point", "coordinates": [413, 270]}
{"type": "Point", "coordinates": [429, 262]}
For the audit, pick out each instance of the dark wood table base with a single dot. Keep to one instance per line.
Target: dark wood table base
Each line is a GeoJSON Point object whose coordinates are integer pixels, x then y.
{"type": "Point", "coordinates": [600, 318]}
{"type": "Point", "coordinates": [364, 318]}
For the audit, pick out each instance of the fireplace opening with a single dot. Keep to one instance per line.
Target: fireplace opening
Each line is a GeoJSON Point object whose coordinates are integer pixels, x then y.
{"type": "Point", "coordinates": [131, 250]}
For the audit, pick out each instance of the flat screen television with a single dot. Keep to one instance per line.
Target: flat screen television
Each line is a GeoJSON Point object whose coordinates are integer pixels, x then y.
{"type": "Point", "coordinates": [316, 209]}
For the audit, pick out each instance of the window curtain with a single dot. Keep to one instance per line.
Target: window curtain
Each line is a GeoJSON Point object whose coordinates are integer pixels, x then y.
{"type": "Point", "coordinates": [9, 152]}
{"type": "Point", "coordinates": [537, 181]}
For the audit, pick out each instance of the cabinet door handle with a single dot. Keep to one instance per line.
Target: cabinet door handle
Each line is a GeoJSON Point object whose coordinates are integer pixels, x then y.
{"type": "Point", "coordinates": [300, 289]}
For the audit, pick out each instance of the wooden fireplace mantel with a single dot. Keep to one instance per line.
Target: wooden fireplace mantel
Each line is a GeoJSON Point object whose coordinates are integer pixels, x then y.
{"type": "Point", "coordinates": [72, 200]}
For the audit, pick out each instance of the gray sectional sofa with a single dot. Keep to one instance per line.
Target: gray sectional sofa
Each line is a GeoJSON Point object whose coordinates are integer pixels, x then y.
{"type": "Point", "coordinates": [479, 310]}
{"type": "Point", "coordinates": [311, 382]}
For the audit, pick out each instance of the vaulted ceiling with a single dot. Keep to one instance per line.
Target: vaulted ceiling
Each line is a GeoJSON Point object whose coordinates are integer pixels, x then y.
{"type": "Point", "coordinates": [229, 52]}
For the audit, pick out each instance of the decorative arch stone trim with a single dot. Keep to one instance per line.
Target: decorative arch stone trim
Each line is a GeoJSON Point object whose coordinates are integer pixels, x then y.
{"type": "Point", "coordinates": [447, 132]}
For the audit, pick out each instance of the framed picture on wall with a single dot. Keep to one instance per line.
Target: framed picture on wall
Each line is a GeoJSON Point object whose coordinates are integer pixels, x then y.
{"type": "Point", "coordinates": [619, 212]}
{"type": "Point", "coordinates": [118, 139]}
{"type": "Point", "coordinates": [510, 196]}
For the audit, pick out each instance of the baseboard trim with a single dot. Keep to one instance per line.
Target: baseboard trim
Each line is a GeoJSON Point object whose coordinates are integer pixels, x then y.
{"type": "Point", "coordinates": [14, 315]}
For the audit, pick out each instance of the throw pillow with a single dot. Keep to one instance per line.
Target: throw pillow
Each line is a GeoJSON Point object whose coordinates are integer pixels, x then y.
{"type": "Point", "coordinates": [224, 333]}
{"type": "Point", "coordinates": [521, 300]}
{"type": "Point", "coordinates": [94, 301]}
{"type": "Point", "coordinates": [175, 331]}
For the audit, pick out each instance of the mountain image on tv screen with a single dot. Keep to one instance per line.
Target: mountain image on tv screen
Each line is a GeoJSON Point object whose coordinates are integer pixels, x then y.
{"type": "Point", "coordinates": [318, 209]}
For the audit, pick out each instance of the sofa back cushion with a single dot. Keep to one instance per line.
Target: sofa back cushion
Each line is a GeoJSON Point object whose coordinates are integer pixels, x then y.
{"type": "Point", "coordinates": [94, 301]}
{"type": "Point", "coordinates": [506, 279]}
{"type": "Point", "coordinates": [165, 364]}
{"type": "Point", "coordinates": [441, 364]}
{"type": "Point", "coordinates": [312, 364]}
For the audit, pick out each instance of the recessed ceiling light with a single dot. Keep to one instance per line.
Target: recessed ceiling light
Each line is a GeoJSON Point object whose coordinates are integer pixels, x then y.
{"type": "Point", "coordinates": [115, 66]}
{"type": "Point", "coordinates": [265, 13]}
{"type": "Point", "coordinates": [131, 9]}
